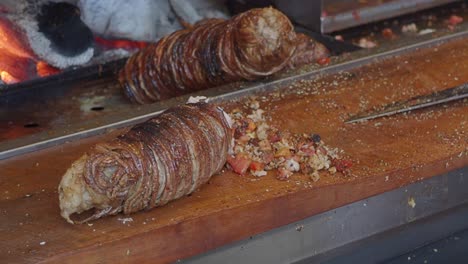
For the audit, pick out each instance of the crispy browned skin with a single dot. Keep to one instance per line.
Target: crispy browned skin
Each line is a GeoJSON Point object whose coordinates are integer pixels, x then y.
{"type": "Point", "coordinates": [307, 51]}
{"type": "Point", "coordinates": [213, 52]}
{"type": "Point", "coordinates": [155, 162]}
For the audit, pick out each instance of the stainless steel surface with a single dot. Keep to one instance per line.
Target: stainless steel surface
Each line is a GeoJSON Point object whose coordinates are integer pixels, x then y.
{"type": "Point", "coordinates": [305, 13]}
{"type": "Point", "coordinates": [365, 15]}
{"type": "Point", "coordinates": [436, 98]}
{"type": "Point", "coordinates": [332, 15]}
{"type": "Point", "coordinates": [119, 113]}
{"type": "Point", "coordinates": [339, 232]}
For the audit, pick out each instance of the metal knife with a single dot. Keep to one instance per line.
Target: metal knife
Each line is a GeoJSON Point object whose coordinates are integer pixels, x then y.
{"type": "Point", "coordinates": [418, 102]}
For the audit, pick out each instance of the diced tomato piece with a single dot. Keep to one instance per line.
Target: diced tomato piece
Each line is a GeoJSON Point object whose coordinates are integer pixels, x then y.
{"type": "Point", "coordinates": [388, 33]}
{"type": "Point", "coordinates": [323, 61]}
{"type": "Point", "coordinates": [342, 165]}
{"type": "Point", "coordinates": [239, 164]}
{"type": "Point", "coordinates": [256, 166]}
{"type": "Point", "coordinates": [455, 20]}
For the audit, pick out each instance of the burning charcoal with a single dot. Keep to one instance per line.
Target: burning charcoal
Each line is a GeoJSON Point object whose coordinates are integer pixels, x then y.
{"type": "Point", "coordinates": [15, 54]}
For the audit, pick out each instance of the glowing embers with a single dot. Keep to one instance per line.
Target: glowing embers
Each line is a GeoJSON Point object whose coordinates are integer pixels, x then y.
{"type": "Point", "coordinates": [120, 44]}
{"type": "Point", "coordinates": [43, 69]}
{"type": "Point", "coordinates": [17, 61]}
{"type": "Point", "coordinates": [8, 78]}
{"type": "Point", "coordinates": [14, 68]}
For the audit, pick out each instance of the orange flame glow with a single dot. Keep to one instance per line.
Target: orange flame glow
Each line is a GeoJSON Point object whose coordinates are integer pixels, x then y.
{"type": "Point", "coordinates": [13, 40]}
{"type": "Point", "coordinates": [17, 60]}
{"type": "Point", "coordinates": [19, 63]}
{"type": "Point", "coordinates": [43, 69]}
{"type": "Point", "coordinates": [16, 57]}
{"type": "Point", "coordinates": [120, 44]}
{"type": "Point", "coordinates": [7, 78]}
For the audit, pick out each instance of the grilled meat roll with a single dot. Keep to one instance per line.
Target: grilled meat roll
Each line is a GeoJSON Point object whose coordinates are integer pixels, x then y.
{"type": "Point", "coordinates": [307, 51]}
{"type": "Point", "coordinates": [153, 163]}
{"type": "Point", "coordinates": [213, 52]}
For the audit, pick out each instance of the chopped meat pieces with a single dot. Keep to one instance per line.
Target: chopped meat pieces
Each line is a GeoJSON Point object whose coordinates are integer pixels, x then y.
{"type": "Point", "coordinates": [366, 43]}
{"type": "Point", "coordinates": [259, 147]}
{"type": "Point", "coordinates": [409, 29]}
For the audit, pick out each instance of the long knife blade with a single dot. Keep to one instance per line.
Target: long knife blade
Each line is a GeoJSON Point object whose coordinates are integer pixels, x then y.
{"type": "Point", "coordinates": [418, 102]}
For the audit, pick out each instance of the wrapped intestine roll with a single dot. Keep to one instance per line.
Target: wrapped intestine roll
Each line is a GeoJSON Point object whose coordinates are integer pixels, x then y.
{"type": "Point", "coordinates": [155, 162]}
{"type": "Point", "coordinates": [254, 44]}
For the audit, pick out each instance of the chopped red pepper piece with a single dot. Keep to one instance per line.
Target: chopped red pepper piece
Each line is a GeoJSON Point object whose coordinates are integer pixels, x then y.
{"type": "Point", "coordinates": [256, 166]}
{"type": "Point", "coordinates": [239, 163]}
{"type": "Point", "coordinates": [455, 20]}
{"type": "Point", "coordinates": [342, 165]}
{"type": "Point", "coordinates": [323, 61]}
{"type": "Point", "coordinates": [388, 33]}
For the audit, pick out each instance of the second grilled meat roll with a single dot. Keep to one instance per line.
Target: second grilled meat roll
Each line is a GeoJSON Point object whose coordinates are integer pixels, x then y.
{"type": "Point", "coordinates": [254, 44]}
{"type": "Point", "coordinates": [153, 163]}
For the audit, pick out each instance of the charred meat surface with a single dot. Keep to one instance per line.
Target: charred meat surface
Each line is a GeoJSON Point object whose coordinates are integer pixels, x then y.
{"type": "Point", "coordinates": [254, 44]}
{"type": "Point", "coordinates": [155, 162]}
{"type": "Point", "coordinates": [307, 51]}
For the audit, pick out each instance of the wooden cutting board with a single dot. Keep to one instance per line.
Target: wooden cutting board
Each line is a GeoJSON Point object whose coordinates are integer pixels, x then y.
{"type": "Point", "coordinates": [387, 153]}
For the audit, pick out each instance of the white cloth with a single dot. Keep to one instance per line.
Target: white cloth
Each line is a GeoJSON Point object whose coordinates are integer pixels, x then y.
{"type": "Point", "coordinates": [145, 20]}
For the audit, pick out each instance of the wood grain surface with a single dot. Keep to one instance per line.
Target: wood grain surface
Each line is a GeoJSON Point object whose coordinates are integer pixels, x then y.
{"type": "Point", "coordinates": [388, 153]}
